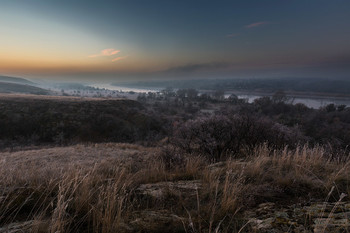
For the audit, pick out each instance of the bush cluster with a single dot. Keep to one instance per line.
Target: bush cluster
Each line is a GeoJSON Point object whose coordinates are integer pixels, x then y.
{"type": "Point", "coordinates": [62, 122]}
{"type": "Point", "coordinates": [220, 135]}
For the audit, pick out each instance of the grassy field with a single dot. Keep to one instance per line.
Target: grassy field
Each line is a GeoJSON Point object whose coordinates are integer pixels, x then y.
{"type": "Point", "coordinates": [113, 187]}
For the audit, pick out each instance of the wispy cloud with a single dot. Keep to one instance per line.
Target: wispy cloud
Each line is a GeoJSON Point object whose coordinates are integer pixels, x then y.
{"type": "Point", "coordinates": [233, 35]}
{"type": "Point", "coordinates": [119, 58]}
{"type": "Point", "coordinates": [105, 52]}
{"type": "Point", "coordinates": [256, 24]}
{"type": "Point", "coordinates": [252, 25]}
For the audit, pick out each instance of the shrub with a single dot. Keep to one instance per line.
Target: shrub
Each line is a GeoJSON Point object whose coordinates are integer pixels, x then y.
{"type": "Point", "coordinates": [171, 158]}
{"type": "Point", "coordinates": [64, 121]}
{"type": "Point", "coordinates": [218, 136]}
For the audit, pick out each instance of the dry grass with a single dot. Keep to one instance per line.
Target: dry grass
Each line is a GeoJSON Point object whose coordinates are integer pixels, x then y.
{"type": "Point", "coordinates": [95, 188]}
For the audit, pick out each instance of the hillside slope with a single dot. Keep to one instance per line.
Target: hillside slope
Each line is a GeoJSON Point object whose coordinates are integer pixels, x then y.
{"type": "Point", "coordinates": [128, 188]}
{"type": "Point", "coordinates": [8, 79]}
{"type": "Point", "coordinates": [6, 87]}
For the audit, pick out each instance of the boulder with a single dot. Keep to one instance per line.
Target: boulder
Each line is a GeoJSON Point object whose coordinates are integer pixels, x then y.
{"type": "Point", "coordinates": [186, 188]}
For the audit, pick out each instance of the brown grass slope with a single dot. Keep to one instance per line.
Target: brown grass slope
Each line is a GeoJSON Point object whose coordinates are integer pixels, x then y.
{"type": "Point", "coordinates": [128, 188]}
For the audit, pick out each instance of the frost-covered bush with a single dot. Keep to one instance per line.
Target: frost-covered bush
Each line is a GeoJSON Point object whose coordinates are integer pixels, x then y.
{"type": "Point", "coordinates": [218, 136]}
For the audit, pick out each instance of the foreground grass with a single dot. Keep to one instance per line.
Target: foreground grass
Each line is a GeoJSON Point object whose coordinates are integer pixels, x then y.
{"type": "Point", "coordinates": [128, 188]}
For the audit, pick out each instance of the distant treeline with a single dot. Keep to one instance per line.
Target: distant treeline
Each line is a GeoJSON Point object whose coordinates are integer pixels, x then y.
{"type": "Point", "coordinates": [317, 85]}
{"type": "Point", "coordinates": [329, 125]}
{"type": "Point", "coordinates": [39, 121]}
{"type": "Point", "coordinates": [207, 124]}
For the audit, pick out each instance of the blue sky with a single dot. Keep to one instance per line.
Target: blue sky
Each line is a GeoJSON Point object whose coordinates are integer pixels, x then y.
{"type": "Point", "coordinates": [176, 39]}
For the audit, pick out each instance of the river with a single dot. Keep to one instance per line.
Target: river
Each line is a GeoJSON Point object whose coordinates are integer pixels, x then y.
{"type": "Point", "coordinates": [311, 102]}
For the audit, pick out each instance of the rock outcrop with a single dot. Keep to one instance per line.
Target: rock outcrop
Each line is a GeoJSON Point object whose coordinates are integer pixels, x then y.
{"type": "Point", "coordinates": [316, 217]}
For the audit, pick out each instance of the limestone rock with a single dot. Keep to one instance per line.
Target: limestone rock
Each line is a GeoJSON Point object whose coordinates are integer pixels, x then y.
{"type": "Point", "coordinates": [316, 217]}
{"type": "Point", "coordinates": [157, 221]}
{"type": "Point", "coordinates": [186, 188]}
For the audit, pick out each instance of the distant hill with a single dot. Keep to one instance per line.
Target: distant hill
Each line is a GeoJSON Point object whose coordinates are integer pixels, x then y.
{"type": "Point", "coordinates": [7, 87]}
{"type": "Point", "coordinates": [8, 79]}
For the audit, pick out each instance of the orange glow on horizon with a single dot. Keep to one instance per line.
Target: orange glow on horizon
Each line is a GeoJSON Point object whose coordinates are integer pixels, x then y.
{"type": "Point", "coordinates": [42, 65]}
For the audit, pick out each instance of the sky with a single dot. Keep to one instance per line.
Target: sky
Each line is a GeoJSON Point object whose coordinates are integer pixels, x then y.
{"type": "Point", "coordinates": [107, 40]}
